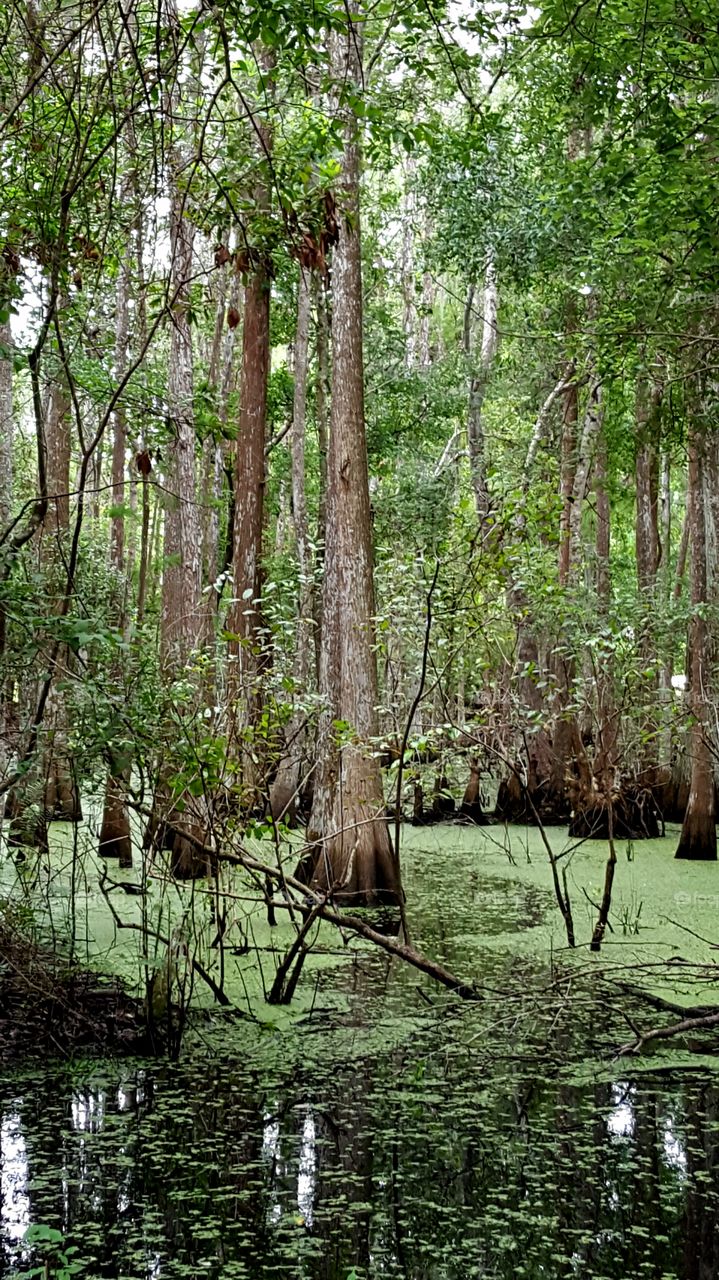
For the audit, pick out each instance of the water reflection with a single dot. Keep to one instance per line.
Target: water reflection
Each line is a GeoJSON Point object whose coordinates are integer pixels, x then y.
{"type": "Point", "coordinates": [378, 1168]}
{"type": "Point", "coordinates": [14, 1197]}
{"type": "Point", "coordinates": [458, 1147]}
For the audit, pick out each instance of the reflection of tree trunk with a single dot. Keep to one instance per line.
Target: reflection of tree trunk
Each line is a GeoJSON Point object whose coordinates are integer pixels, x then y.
{"type": "Point", "coordinates": [701, 1221]}
{"type": "Point", "coordinates": [698, 837]}
{"type": "Point", "coordinates": [345, 1158]}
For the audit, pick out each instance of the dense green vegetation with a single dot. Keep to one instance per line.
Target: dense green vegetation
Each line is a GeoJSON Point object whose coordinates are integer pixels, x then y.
{"type": "Point", "coordinates": [359, 472]}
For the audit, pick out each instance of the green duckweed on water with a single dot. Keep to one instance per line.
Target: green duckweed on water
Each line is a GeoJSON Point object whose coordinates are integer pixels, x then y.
{"type": "Point", "coordinates": [380, 1127]}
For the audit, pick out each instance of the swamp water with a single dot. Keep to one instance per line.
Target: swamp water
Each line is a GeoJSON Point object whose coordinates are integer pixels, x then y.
{"type": "Point", "coordinates": [383, 1128]}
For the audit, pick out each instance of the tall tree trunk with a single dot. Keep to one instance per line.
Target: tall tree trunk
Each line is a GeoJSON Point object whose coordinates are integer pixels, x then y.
{"type": "Point", "coordinates": [6, 422]}
{"type": "Point", "coordinates": [245, 616]}
{"type": "Point", "coordinates": [409, 322]}
{"type": "Point", "coordinates": [220, 366]}
{"type": "Point", "coordinates": [115, 840]}
{"type": "Point", "coordinates": [119, 444]}
{"type": "Point", "coordinates": [352, 856]}
{"type": "Point", "coordinates": [648, 551]}
{"type": "Point", "coordinates": [424, 353]}
{"type": "Point", "coordinates": [322, 399]}
{"type": "Point", "coordinates": [7, 430]}
{"type": "Point", "coordinates": [480, 367]}
{"type": "Point", "coordinates": [142, 461]}
{"type": "Point", "coordinates": [666, 669]}
{"type": "Point", "coordinates": [567, 469]}
{"type": "Point", "coordinates": [62, 798]}
{"type": "Point", "coordinates": [181, 621]}
{"type": "Point", "coordinates": [285, 789]}
{"type": "Point", "coordinates": [582, 473]}
{"type": "Point", "coordinates": [698, 837]}
{"type": "Point", "coordinates": [181, 579]}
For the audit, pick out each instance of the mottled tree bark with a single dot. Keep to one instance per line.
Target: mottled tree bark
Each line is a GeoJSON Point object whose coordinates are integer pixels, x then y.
{"type": "Point", "coordinates": [181, 580]}
{"type": "Point", "coordinates": [285, 789]}
{"type": "Point", "coordinates": [119, 443]}
{"type": "Point", "coordinates": [7, 431]}
{"type": "Point", "coordinates": [322, 400]}
{"type": "Point", "coordinates": [582, 469]}
{"type": "Point", "coordinates": [6, 423]}
{"type": "Point", "coordinates": [698, 837]}
{"type": "Point", "coordinates": [115, 840]}
{"type": "Point", "coordinates": [567, 469]}
{"type": "Point", "coordinates": [181, 620]}
{"type": "Point", "coordinates": [648, 554]}
{"type": "Point", "coordinates": [352, 857]}
{"type": "Point", "coordinates": [245, 616]}
{"type": "Point", "coordinates": [62, 798]}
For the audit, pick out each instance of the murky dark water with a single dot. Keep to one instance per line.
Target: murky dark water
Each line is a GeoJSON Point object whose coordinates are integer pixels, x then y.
{"type": "Point", "coordinates": [390, 1139]}
{"type": "Point", "coordinates": [409, 1165]}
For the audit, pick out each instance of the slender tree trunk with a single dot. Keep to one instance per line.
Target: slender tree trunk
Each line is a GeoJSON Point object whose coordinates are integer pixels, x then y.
{"type": "Point", "coordinates": [698, 837]}
{"type": "Point", "coordinates": [322, 399]}
{"type": "Point", "coordinates": [285, 789]}
{"type": "Point", "coordinates": [181, 580]}
{"type": "Point", "coordinates": [353, 857]}
{"type": "Point", "coordinates": [582, 473]}
{"type": "Point", "coordinates": [119, 444]}
{"type": "Point", "coordinates": [62, 798]}
{"type": "Point", "coordinates": [7, 430]}
{"type": "Point", "coordinates": [648, 552]}
{"type": "Point", "coordinates": [245, 616]}
{"type": "Point", "coordinates": [182, 619]}
{"type": "Point", "coordinates": [567, 469]}
{"type": "Point", "coordinates": [409, 322]}
{"type": "Point", "coordinates": [424, 352]}
{"type": "Point", "coordinates": [666, 669]}
{"type": "Point", "coordinates": [115, 839]}
{"type": "Point", "coordinates": [220, 365]}
{"type": "Point", "coordinates": [479, 375]}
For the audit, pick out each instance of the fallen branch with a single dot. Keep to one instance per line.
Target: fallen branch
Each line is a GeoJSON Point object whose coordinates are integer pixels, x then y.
{"type": "Point", "coordinates": [312, 900]}
{"type": "Point", "coordinates": [666, 1033]}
